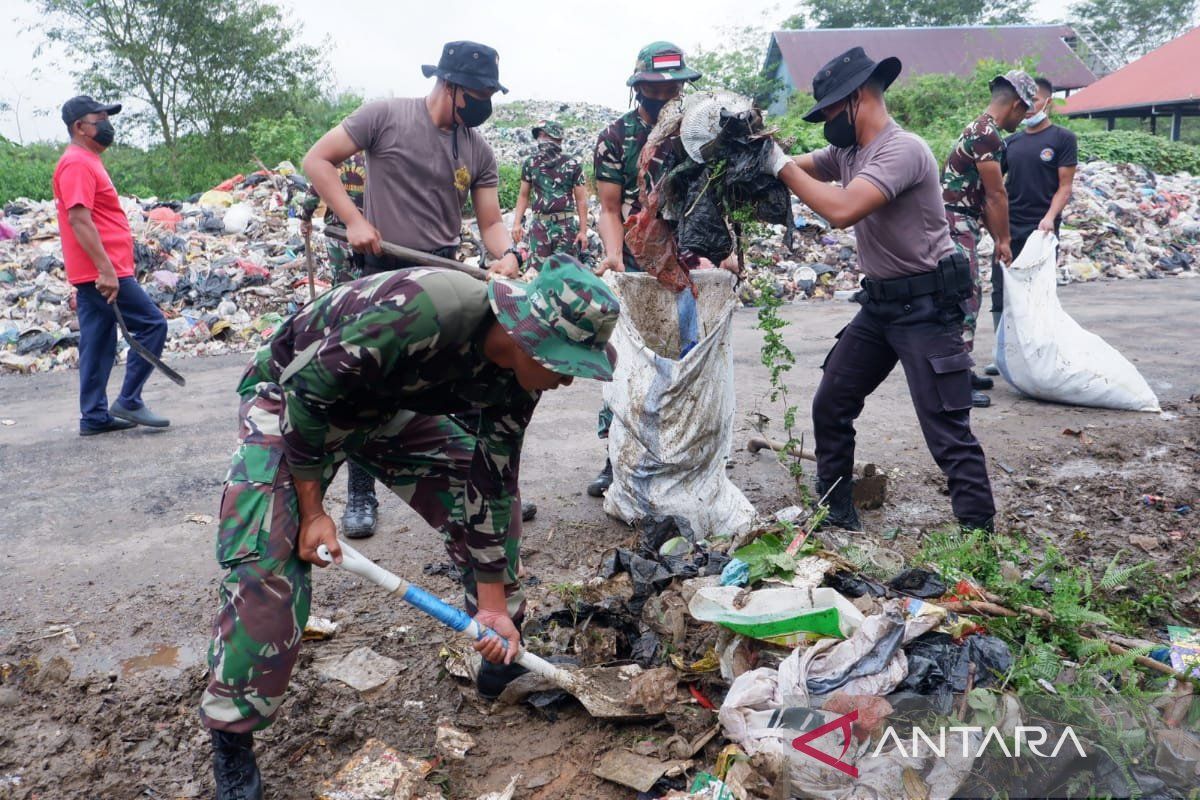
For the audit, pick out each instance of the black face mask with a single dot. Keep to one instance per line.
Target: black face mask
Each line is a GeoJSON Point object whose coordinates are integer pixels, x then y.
{"type": "Point", "coordinates": [549, 147]}
{"type": "Point", "coordinates": [839, 131]}
{"type": "Point", "coordinates": [653, 107]}
{"type": "Point", "coordinates": [104, 133]}
{"type": "Point", "coordinates": [475, 111]}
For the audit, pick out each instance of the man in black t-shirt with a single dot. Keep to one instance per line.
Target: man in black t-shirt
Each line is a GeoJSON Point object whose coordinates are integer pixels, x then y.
{"type": "Point", "coordinates": [1041, 170]}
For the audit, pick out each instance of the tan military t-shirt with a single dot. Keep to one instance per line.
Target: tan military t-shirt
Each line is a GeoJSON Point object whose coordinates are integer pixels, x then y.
{"type": "Point", "coordinates": [416, 189]}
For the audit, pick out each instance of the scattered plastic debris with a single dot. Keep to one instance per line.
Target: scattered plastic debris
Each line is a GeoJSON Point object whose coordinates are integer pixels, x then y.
{"type": "Point", "coordinates": [362, 669]}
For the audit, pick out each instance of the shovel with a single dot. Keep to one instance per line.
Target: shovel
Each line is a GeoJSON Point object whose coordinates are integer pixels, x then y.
{"type": "Point", "coordinates": [415, 256]}
{"type": "Point", "coordinates": [602, 691]}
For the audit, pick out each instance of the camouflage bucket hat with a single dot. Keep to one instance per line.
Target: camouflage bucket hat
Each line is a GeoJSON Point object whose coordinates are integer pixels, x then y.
{"type": "Point", "coordinates": [1021, 83]}
{"type": "Point", "coordinates": [660, 62]}
{"type": "Point", "coordinates": [563, 318]}
{"type": "Point", "coordinates": [548, 127]}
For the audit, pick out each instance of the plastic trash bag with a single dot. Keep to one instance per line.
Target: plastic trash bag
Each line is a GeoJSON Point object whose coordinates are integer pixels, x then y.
{"type": "Point", "coordinates": [673, 417]}
{"type": "Point", "coordinates": [1045, 354]}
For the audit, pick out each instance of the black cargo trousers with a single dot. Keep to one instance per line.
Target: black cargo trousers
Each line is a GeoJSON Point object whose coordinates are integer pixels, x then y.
{"type": "Point", "coordinates": [923, 333]}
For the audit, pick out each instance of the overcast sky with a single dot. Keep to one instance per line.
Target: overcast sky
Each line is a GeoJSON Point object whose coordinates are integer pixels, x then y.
{"type": "Point", "coordinates": [549, 49]}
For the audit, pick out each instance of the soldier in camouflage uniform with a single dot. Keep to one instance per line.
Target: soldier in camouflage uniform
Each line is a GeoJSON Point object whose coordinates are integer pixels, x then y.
{"type": "Point", "coordinates": [658, 77]}
{"type": "Point", "coordinates": [373, 370]}
{"type": "Point", "coordinates": [344, 264]}
{"type": "Point", "coordinates": [554, 179]}
{"type": "Point", "coordinates": [973, 191]}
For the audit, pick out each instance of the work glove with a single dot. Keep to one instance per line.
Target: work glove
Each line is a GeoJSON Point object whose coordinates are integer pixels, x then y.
{"type": "Point", "coordinates": [777, 160]}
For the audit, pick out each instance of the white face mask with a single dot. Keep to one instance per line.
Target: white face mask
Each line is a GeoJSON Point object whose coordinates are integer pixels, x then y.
{"type": "Point", "coordinates": [1038, 118]}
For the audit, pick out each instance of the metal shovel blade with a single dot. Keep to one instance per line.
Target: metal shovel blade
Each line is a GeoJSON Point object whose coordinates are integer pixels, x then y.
{"type": "Point", "coordinates": [144, 351]}
{"type": "Point", "coordinates": [606, 692]}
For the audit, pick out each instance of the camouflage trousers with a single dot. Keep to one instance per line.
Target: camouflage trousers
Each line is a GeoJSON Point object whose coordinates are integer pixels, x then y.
{"type": "Point", "coordinates": [266, 591]}
{"type": "Point", "coordinates": [344, 264]}
{"type": "Point", "coordinates": [550, 234]}
{"type": "Point", "coordinates": [964, 230]}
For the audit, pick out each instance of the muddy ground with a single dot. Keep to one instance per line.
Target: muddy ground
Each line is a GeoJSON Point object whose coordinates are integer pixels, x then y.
{"type": "Point", "coordinates": [112, 536]}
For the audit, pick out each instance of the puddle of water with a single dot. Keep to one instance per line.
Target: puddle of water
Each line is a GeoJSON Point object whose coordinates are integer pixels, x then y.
{"type": "Point", "coordinates": [164, 656]}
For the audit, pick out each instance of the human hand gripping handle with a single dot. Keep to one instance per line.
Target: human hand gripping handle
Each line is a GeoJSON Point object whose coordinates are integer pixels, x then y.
{"type": "Point", "coordinates": [448, 615]}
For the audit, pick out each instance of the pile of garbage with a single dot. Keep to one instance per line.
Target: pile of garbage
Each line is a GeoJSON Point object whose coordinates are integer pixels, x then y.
{"type": "Point", "coordinates": [1124, 222]}
{"type": "Point", "coordinates": [781, 669]}
{"type": "Point", "coordinates": [227, 266]}
{"type": "Point", "coordinates": [508, 130]}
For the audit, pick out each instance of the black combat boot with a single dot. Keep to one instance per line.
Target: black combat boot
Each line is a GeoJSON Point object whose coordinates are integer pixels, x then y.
{"type": "Point", "coordinates": [358, 522]}
{"type": "Point", "coordinates": [841, 505]}
{"type": "Point", "coordinates": [981, 382]}
{"type": "Point", "coordinates": [234, 768]}
{"type": "Point", "coordinates": [602, 481]}
{"type": "Point", "coordinates": [979, 399]}
{"type": "Point", "coordinates": [968, 525]}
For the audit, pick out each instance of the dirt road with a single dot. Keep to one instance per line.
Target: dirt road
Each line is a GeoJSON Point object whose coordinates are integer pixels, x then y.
{"type": "Point", "coordinates": [113, 537]}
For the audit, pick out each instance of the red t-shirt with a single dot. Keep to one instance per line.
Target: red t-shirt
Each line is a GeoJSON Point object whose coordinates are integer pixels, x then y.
{"type": "Point", "coordinates": [81, 180]}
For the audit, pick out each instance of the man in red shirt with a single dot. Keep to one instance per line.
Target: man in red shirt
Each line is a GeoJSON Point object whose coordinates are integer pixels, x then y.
{"type": "Point", "coordinates": [98, 252]}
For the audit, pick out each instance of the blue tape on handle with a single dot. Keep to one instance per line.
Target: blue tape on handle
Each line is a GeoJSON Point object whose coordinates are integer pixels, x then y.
{"type": "Point", "coordinates": [444, 613]}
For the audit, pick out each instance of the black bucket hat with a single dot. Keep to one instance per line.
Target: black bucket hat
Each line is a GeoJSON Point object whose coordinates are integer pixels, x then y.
{"type": "Point", "coordinates": [836, 80]}
{"type": "Point", "coordinates": [468, 64]}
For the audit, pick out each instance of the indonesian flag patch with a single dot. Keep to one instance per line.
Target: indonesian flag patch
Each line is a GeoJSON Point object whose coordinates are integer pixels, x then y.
{"type": "Point", "coordinates": [667, 61]}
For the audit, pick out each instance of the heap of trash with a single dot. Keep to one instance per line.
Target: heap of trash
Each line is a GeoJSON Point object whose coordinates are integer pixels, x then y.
{"type": "Point", "coordinates": [226, 267]}
{"type": "Point", "coordinates": [509, 129]}
{"type": "Point", "coordinates": [784, 663]}
{"type": "Point", "coordinates": [1123, 221]}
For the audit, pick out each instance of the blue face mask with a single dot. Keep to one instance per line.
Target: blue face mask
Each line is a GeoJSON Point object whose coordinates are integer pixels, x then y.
{"type": "Point", "coordinates": [1038, 118]}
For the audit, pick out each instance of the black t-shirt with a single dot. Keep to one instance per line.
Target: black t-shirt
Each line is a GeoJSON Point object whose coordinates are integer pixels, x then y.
{"type": "Point", "coordinates": [1033, 162]}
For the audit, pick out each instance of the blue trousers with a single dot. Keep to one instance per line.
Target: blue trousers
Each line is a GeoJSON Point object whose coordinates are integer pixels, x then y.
{"type": "Point", "coordinates": [98, 347]}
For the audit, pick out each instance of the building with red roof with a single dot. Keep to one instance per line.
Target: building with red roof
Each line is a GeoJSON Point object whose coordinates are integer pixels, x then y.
{"type": "Point", "coordinates": [1163, 83]}
{"type": "Point", "coordinates": [795, 56]}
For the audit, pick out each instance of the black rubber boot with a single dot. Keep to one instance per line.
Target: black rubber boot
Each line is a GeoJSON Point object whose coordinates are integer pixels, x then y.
{"type": "Point", "coordinates": [358, 522]}
{"type": "Point", "coordinates": [968, 525]}
{"type": "Point", "coordinates": [234, 768]}
{"type": "Point", "coordinates": [980, 382]}
{"type": "Point", "coordinates": [842, 513]}
{"type": "Point", "coordinates": [602, 481]}
{"type": "Point", "coordinates": [979, 399]}
{"type": "Point", "coordinates": [528, 511]}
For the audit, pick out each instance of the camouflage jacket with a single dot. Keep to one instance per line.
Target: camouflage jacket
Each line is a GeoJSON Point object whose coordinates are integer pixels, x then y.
{"type": "Point", "coordinates": [616, 158]}
{"type": "Point", "coordinates": [353, 172]}
{"type": "Point", "coordinates": [553, 176]}
{"type": "Point", "coordinates": [408, 340]}
{"type": "Point", "coordinates": [961, 184]}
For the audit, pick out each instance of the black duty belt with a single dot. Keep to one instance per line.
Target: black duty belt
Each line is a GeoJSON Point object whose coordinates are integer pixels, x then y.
{"type": "Point", "coordinates": [951, 277]}
{"type": "Point", "coordinates": [966, 212]}
{"type": "Point", "coordinates": [556, 216]}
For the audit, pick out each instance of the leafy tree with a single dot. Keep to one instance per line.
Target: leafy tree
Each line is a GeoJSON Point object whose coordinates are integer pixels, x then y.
{"type": "Point", "coordinates": [1134, 27]}
{"type": "Point", "coordinates": [201, 66]}
{"type": "Point", "coordinates": [907, 13]}
{"type": "Point", "coordinates": [737, 65]}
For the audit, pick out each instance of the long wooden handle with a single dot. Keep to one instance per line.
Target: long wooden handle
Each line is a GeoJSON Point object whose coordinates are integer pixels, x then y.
{"type": "Point", "coordinates": [416, 256]}
{"type": "Point", "coordinates": [757, 443]}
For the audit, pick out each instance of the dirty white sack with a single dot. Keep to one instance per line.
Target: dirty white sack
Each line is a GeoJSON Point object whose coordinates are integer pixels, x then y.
{"type": "Point", "coordinates": [1045, 354]}
{"type": "Point", "coordinates": [673, 417]}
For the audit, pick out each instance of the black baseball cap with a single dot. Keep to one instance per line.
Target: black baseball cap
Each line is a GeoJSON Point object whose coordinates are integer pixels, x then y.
{"type": "Point", "coordinates": [81, 106]}
{"type": "Point", "coordinates": [468, 64]}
